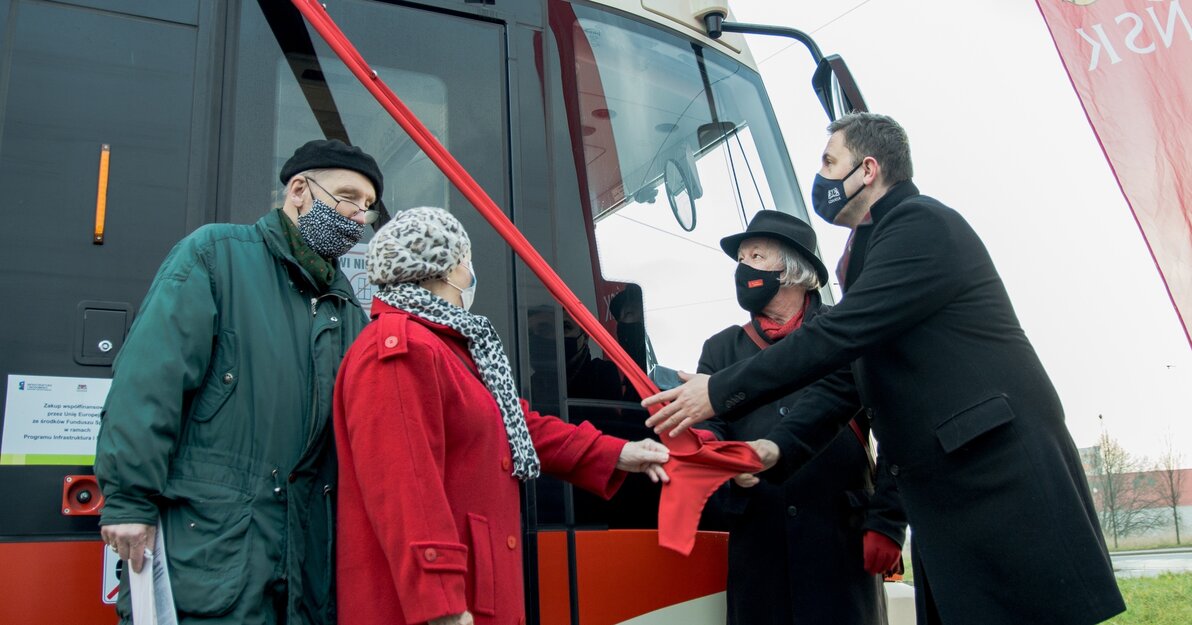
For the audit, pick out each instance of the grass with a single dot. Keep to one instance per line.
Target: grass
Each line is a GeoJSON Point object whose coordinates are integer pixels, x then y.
{"type": "Point", "coordinates": [1162, 600]}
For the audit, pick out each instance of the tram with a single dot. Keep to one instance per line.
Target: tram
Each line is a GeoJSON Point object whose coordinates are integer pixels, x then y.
{"type": "Point", "coordinates": [620, 136]}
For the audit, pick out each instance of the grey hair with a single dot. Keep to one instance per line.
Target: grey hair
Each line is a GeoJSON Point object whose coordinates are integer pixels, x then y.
{"type": "Point", "coordinates": [879, 136]}
{"type": "Point", "coordinates": [308, 173]}
{"type": "Point", "coordinates": [798, 272]}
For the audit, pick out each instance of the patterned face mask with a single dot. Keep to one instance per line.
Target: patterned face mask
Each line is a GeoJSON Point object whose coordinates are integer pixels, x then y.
{"type": "Point", "coordinates": [327, 232]}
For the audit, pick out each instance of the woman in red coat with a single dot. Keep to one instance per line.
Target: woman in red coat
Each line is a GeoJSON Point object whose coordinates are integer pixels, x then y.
{"type": "Point", "coordinates": [433, 440]}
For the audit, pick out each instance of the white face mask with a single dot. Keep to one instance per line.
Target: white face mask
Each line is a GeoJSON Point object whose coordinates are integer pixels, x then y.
{"type": "Point", "coordinates": [468, 295]}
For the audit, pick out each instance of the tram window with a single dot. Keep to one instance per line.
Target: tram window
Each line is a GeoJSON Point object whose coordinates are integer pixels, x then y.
{"type": "Point", "coordinates": [369, 127]}
{"type": "Point", "coordinates": [685, 279]}
{"type": "Point", "coordinates": [596, 392]}
{"type": "Point", "coordinates": [678, 148]}
{"type": "Point", "coordinates": [290, 87]}
{"type": "Point", "coordinates": [665, 119]}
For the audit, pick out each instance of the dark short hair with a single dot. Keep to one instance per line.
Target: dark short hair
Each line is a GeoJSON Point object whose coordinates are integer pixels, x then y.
{"type": "Point", "coordinates": [879, 136]}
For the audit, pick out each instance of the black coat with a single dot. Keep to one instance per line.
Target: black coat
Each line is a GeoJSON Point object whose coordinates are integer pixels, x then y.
{"type": "Point", "coordinates": [795, 541]}
{"type": "Point", "coordinates": [972, 427]}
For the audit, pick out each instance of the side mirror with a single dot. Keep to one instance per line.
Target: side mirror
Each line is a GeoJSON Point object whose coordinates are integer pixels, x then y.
{"type": "Point", "coordinates": [836, 88]}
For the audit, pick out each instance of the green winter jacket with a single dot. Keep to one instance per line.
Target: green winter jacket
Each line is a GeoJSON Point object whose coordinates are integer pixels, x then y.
{"type": "Point", "coordinates": [218, 422]}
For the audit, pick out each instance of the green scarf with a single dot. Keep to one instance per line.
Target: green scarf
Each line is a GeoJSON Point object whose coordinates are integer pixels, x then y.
{"type": "Point", "coordinates": [319, 268]}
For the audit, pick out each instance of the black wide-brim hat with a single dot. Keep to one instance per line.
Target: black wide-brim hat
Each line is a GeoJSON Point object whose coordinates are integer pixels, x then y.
{"type": "Point", "coordinates": [791, 230]}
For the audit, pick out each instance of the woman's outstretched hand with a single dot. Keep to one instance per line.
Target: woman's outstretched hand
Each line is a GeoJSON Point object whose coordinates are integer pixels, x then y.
{"type": "Point", "coordinates": [645, 456]}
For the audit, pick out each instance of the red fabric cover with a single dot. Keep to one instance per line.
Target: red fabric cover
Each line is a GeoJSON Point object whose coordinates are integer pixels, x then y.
{"type": "Point", "coordinates": [774, 331]}
{"type": "Point", "coordinates": [429, 522]}
{"type": "Point", "coordinates": [881, 553]}
{"type": "Point", "coordinates": [699, 464]}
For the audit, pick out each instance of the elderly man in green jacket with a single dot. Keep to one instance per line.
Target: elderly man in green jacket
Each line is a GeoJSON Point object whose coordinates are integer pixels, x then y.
{"type": "Point", "coordinates": [217, 426]}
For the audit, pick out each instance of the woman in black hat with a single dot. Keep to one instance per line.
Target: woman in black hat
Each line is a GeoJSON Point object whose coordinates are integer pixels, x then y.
{"type": "Point", "coordinates": [799, 546]}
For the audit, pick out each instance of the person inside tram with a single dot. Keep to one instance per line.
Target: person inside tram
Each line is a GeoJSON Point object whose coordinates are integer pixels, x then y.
{"type": "Point", "coordinates": [588, 376]}
{"type": "Point", "coordinates": [627, 310]}
{"type": "Point", "coordinates": [434, 443]}
{"type": "Point", "coordinates": [809, 548]}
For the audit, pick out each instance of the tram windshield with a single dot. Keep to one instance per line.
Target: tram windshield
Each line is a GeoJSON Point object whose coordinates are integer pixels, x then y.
{"type": "Point", "coordinates": [681, 148]}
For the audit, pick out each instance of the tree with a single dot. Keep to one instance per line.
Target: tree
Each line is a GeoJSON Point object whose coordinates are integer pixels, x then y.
{"type": "Point", "coordinates": [1171, 483]}
{"type": "Point", "coordinates": [1125, 494]}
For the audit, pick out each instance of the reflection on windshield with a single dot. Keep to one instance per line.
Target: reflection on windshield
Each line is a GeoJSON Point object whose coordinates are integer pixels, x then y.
{"type": "Point", "coordinates": [680, 149]}
{"type": "Point", "coordinates": [376, 133]}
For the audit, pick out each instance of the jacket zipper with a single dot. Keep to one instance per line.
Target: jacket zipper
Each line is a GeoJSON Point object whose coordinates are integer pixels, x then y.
{"type": "Point", "coordinates": [314, 377]}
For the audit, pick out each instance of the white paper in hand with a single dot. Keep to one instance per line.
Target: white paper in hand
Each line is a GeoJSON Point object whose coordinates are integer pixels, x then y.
{"type": "Point", "coordinates": [151, 594]}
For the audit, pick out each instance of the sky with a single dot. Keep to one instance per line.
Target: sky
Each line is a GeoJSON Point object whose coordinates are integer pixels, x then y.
{"type": "Point", "coordinates": [998, 133]}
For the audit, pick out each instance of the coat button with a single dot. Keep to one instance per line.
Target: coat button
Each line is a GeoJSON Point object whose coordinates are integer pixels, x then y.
{"type": "Point", "coordinates": [792, 511]}
{"type": "Point", "coordinates": [506, 464]}
{"type": "Point", "coordinates": [783, 411]}
{"type": "Point", "coordinates": [229, 378]}
{"type": "Point", "coordinates": [511, 542]}
{"type": "Point", "coordinates": [894, 469]}
{"type": "Point", "coordinates": [277, 491]}
{"type": "Point", "coordinates": [192, 525]}
{"type": "Point", "coordinates": [391, 342]}
{"type": "Point", "coordinates": [430, 554]}
{"type": "Point", "coordinates": [334, 319]}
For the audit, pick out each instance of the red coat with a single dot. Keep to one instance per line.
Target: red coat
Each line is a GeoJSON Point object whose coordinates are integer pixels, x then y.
{"type": "Point", "coordinates": [429, 519]}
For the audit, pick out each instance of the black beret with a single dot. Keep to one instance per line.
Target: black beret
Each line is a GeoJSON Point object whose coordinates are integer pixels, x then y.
{"type": "Point", "coordinates": [332, 154]}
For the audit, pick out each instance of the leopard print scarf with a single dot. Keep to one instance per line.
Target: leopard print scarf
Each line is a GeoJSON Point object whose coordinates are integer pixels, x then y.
{"type": "Point", "coordinates": [485, 347]}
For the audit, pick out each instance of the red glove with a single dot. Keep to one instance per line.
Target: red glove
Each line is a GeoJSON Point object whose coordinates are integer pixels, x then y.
{"type": "Point", "coordinates": [881, 553]}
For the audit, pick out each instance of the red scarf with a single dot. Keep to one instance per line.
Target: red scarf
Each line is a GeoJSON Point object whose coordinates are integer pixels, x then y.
{"type": "Point", "coordinates": [774, 330]}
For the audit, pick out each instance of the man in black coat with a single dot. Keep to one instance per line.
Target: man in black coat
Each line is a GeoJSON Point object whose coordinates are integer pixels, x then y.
{"type": "Point", "coordinates": [808, 548]}
{"type": "Point", "coordinates": [1005, 530]}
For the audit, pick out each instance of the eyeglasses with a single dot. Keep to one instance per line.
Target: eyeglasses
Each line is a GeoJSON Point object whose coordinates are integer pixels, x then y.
{"type": "Point", "coordinates": [370, 215]}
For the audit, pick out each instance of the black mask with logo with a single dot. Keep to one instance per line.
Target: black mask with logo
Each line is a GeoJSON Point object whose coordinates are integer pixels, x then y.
{"type": "Point", "coordinates": [828, 197]}
{"type": "Point", "coordinates": [756, 287]}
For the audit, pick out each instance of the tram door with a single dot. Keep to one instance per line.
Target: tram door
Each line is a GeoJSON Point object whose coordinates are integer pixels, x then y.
{"type": "Point", "coordinates": [83, 81]}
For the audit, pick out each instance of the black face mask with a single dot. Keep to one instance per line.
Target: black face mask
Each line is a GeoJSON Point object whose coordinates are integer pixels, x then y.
{"type": "Point", "coordinates": [755, 288]}
{"type": "Point", "coordinates": [571, 347]}
{"type": "Point", "coordinates": [828, 197]}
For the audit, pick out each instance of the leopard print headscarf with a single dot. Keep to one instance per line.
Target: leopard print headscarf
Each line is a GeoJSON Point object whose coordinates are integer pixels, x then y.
{"type": "Point", "coordinates": [424, 243]}
{"type": "Point", "coordinates": [418, 244]}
